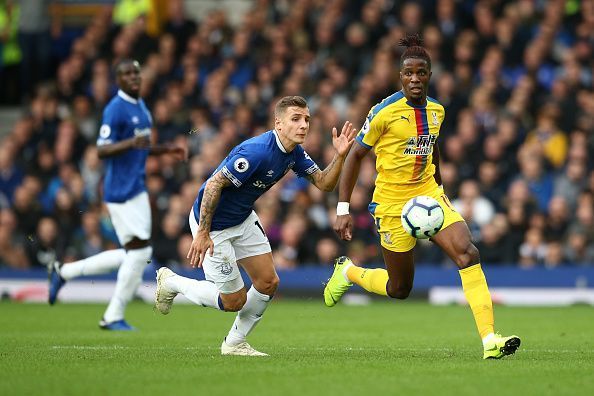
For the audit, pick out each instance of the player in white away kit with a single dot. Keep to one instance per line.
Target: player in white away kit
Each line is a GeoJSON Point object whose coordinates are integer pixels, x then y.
{"type": "Point", "coordinates": [123, 143]}
{"type": "Point", "coordinates": [227, 232]}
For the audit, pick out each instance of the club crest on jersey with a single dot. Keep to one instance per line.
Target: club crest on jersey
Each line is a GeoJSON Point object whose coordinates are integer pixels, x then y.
{"type": "Point", "coordinates": [135, 120]}
{"type": "Point", "coordinates": [387, 238]}
{"type": "Point", "coordinates": [365, 128]}
{"type": "Point", "coordinates": [420, 145]}
{"type": "Point", "coordinates": [241, 165]}
{"type": "Point", "coordinates": [435, 119]}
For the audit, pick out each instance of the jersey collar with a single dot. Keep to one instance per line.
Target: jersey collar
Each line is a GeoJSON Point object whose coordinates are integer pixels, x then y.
{"type": "Point", "coordinates": [278, 142]}
{"type": "Point", "coordinates": [127, 97]}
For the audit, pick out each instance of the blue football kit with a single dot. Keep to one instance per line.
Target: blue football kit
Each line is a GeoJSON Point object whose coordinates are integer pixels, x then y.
{"type": "Point", "coordinates": [123, 118]}
{"type": "Point", "coordinates": [253, 167]}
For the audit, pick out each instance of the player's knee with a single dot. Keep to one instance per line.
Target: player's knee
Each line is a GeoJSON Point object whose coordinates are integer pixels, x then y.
{"type": "Point", "coordinates": [267, 286]}
{"type": "Point", "coordinates": [136, 243]}
{"type": "Point", "coordinates": [400, 292]}
{"type": "Point", "coordinates": [469, 256]}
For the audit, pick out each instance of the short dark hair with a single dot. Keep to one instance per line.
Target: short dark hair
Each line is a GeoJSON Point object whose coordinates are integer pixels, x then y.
{"type": "Point", "coordinates": [289, 101]}
{"type": "Point", "coordinates": [414, 44]}
{"type": "Point", "coordinates": [123, 62]}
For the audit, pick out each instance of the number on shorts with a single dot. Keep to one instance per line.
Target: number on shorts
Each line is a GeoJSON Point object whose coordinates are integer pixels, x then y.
{"type": "Point", "coordinates": [446, 200]}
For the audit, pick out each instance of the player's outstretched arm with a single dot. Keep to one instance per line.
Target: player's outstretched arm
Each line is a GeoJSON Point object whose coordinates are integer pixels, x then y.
{"type": "Point", "coordinates": [327, 179]}
{"type": "Point", "coordinates": [180, 153]}
{"type": "Point", "coordinates": [111, 149]}
{"type": "Point", "coordinates": [210, 199]}
{"type": "Point", "coordinates": [343, 225]}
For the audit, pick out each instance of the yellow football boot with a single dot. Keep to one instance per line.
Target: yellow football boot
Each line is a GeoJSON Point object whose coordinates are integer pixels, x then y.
{"type": "Point", "coordinates": [501, 346]}
{"type": "Point", "coordinates": [337, 285]}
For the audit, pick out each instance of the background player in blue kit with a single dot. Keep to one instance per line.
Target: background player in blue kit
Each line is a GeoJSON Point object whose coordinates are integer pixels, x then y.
{"type": "Point", "coordinates": [224, 224]}
{"type": "Point", "coordinates": [124, 143]}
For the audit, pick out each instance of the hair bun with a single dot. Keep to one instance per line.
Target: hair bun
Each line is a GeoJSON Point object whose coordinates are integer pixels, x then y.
{"type": "Point", "coordinates": [411, 40]}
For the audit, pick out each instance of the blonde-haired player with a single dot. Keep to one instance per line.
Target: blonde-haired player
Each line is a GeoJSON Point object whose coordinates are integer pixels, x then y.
{"type": "Point", "coordinates": [402, 130]}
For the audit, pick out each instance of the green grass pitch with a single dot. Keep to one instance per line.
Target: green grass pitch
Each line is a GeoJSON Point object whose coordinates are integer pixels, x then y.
{"type": "Point", "coordinates": [386, 348]}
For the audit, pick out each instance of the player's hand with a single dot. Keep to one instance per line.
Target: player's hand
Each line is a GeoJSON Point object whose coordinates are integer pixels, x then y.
{"type": "Point", "coordinates": [141, 142]}
{"type": "Point", "coordinates": [201, 245]}
{"type": "Point", "coordinates": [343, 226]}
{"type": "Point", "coordinates": [179, 153]}
{"type": "Point", "coordinates": [343, 142]}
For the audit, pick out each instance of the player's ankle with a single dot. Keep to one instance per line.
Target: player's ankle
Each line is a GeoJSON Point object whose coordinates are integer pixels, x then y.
{"type": "Point", "coordinates": [345, 270]}
{"type": "Point", "coordinates": [488, 338]}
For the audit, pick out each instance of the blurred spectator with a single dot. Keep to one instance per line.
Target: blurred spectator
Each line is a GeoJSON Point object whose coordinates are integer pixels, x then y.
{"type": "Point", "coordinates": [571, 182]}
{"type": "Point", "coordinates": [470, 201]}
{"type": "Point", "coordinates": [538, 179]}
{"type": "Point", "coordinates": [12, 252]}
{"type": "Point", "coordinates": [533, 250]}
{"type": "Point", "coordinates": [548, 138]}
{"type": "Point", "coordinates": [11, 175]}
{"type": "Point", "coordinates": [166, 245]}
{"type": "Point", "coordinates": [46, 244]}
{"type": "Point", "coordinates": [554, 254]}
{"type": "Point", "coordinates": [36, 28]}
{"type": "Point", "coordinates": [557, 220]}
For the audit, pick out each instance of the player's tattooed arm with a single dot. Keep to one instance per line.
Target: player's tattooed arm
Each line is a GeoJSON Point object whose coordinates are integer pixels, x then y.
{"type": "Point", "coordinates": [202, 243]}
{"type": "Point", "coordinates": [327, 179]}
{"type": "Point", "coordinates": [210, 199]}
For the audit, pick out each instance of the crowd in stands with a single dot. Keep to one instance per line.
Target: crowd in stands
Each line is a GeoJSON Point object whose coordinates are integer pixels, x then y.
{"type": "Point", "coordinates": [517, 144]}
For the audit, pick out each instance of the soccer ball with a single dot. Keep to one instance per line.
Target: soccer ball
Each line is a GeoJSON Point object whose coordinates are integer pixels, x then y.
{"type": "Point", "coordinates": [422, 217]}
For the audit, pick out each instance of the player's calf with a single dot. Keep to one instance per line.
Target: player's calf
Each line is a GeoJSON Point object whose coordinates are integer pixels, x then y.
{"type": "Point", "coordinates": [235, 301]}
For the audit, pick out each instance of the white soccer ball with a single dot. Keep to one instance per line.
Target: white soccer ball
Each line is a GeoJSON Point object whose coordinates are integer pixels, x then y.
{"type": "Point", "coordinates": [422, 217]}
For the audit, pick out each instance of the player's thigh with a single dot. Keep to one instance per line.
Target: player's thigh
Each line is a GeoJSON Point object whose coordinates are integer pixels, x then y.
{"type": "Point", "coordinates": [455, 241]}
{"type": "Point", "coordinates": [450, 214]}
{"type": "Point", "coordinates": [253, 253]}
{"type": "Point", "coordinates": [392, 235]}
{"type": "Point", "coordinates": [261, 271]}
{"type": "Point", "coordinates": [221, 268]}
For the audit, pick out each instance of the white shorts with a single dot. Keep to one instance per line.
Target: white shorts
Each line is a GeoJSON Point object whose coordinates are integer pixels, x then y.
{"type": "Point", "coordinates": [231, 244]}
{"type": "Point", "coordinates": [131, 218]}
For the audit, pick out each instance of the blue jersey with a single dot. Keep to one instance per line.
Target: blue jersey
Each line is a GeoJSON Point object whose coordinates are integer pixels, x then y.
{"type": "Point", "coordinates": [253, 167]}
{"type": "Point", "coordinates": [124, 117]}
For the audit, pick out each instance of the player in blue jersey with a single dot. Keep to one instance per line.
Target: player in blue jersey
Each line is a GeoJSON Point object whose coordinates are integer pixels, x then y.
{"type": "Point", "coordinates": [227, 232]}
{"type": "Point", "coordinates": [124, 143]}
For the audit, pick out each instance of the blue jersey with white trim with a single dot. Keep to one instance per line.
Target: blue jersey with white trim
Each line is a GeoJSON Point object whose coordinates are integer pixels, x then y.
{"type": "Point", "coordinates": [253, 167]}
{"type": "Point", "coordinates": [124, 117]}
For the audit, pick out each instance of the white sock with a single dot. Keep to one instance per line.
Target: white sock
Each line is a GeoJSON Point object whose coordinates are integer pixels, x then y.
{"type": "Point", "coordinates": [248, 317]}
{"type": "Point", "coordinates": [101, 263]}
{"type": "Point", "coordinates": [344, 271]}
{"type": "Point", "coordinates": [129, 278]}
{"type": "Point", "coordinates": [203, 293]}
{"type": "Point", "coordinates": [488, 338]}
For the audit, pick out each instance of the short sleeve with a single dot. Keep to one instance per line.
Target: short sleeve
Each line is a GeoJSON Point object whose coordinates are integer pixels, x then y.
{"type": "Point", "coordinates": [371, 131]}
{"type": "Point", "coordinates": [304, 165]}
{"type": "Point", "coordinates": [109, 126]}
{"type": "Point", "coordinates": [241, 166]}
